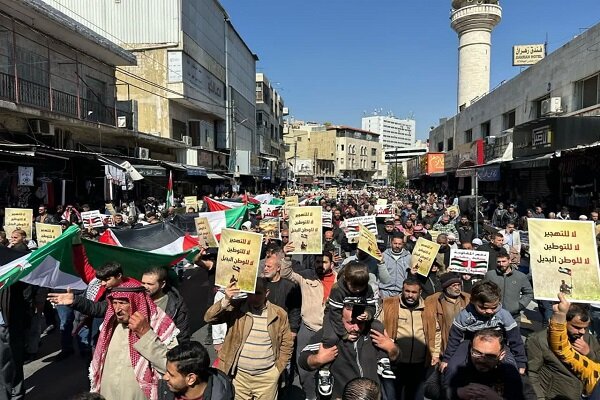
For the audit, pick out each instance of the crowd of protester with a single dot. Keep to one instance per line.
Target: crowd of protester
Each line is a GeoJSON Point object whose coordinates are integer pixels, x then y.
{"type": "Point", "coordinates": [347, 324]}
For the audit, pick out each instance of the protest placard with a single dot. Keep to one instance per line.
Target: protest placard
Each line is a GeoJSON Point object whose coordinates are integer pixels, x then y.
{"type": "Point", "coordinates": [92, 219]}
{"type": "Point", "coordinates": [305, 229]}
{"type": "Point", "coordinates": [45, 233]}
{"type": "Point", "coordinates": [191, 202]}
{"type": "Point", "coordinates": [327, 219]}
{"type": "Point", "coordinates": [367, 242]}
{"type": "Point", "coordinates": [564, 258]}
{"type": "Point", "coordinates": [385, 211]}
{"type": "Point", "coordinates": [269, 227]}
{"type": "Point", "coordinates": [382, 202]}
{"type": "Point", "coordinates": [239, 255]}
{"type": "Point", "coordinates": [18, 218]}
{"type": "Point", "coordinates": [434, 234]}
{"type": "Point", "coordinates": [291, 201]}
{"type": "Point", "coordinates": [423, 255]}
{"type": "Point", "coordinates": [110, 208]}
{"type": "Point", "coordinates": [470, 262]}
{"type": "Point", "coordinates": [206, 237]}
{"type": "Point", "coordinates": [270, 210]}
{"type": "Point", "coordinates": [332, 193]}
{"type": "Point", "coordinates": [350, 227]}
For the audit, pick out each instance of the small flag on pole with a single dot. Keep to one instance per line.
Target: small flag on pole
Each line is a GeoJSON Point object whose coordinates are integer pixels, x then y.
{"type": "Point", "coordinates": [170, 200]}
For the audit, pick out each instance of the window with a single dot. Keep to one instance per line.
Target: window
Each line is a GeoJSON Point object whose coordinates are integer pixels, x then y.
{"type": "Point", "coordinates": [440, 146]}
{"type": "Point", "coordinates": [299, 139]}
{"type": "Point", "coordinates": [373, 164]}
{"type": "Point", "coordinates": [509, 119]}
{"type": "Point", "coordinates": [178, 130]}
{"type": "Point", "coordinates": [342, 147]}
{"type": "Point", "coordinates": [469, 136]}
{"type": "Point", "coordinates": [587, 92]}
{"type": "Point", "coordinates": [485, 129]}
{"type": "Point", "coordinates": [450, 146]}
{"type": "Point", "coordinates": [373, 152]}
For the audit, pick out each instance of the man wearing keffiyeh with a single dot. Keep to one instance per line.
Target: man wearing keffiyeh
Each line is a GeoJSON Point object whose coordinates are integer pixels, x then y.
{"type": "Point", "coordinates": [131, 350]}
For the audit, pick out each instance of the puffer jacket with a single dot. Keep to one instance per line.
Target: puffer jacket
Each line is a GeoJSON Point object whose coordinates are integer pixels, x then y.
{"type": "Point", "coordinates": [177, 310]}
{"type": "Point", "coordinates": [239, 325]}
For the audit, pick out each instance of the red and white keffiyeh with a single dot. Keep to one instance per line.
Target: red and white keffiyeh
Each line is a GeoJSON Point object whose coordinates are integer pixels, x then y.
{"type": "Point", "coordinates": [160, 323]}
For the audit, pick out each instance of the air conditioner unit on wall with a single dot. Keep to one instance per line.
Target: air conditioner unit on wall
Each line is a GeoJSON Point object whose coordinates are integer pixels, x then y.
{"type": "Point", "coordinates": [187, 140]}
{"type": "Point", "coordinates": [121, 121]}
{"type": "Point", "coordinates": [41, 127]}
{"type": "Point", "coordinates": [142, 152]}
{"type": "Point", "coordinates": [551, 105]}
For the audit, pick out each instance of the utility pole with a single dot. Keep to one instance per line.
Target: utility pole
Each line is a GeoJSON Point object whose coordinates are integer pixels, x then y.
{"type": "Point", "coordinates": [396, 170]}
{"type": "Point", "coordinates": [295, 163]}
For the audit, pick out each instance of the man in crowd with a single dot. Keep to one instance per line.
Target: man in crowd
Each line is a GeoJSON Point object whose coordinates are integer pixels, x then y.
{"type": "Point", "coordinates": [132, 347]}
{"type": "Point", "coordinates": [355, 355]}
{"type": "Point", "coordinates": [119, 223]}
{"type": "Point", "coordinates": [258, 344]}
{"type": "Point", "coordinates": [445, 226]}
{"type": "Point", "coordinates": [44, 217]}
{"type": "Point", "coordinates": [482, 374]}
{"type": "Point", "coordinates": [188, 376]}
{"type": "Point", "coordinates": [512, 242]}
{"type": "Point", "coordinates": [389, 230]}
{"type": "Point", "coordinates": [550, 378]}
{"type": "Point", "coordinates": [465, 230]}
{"type": "Point", "coordinates": [439, 312]}
{"type": "Point", "coordinates": [402, 317]}
{"type": "Point", "coordinates": [397, 262]}
{"type": "Point", "coordinates": [494, 247]}
{"type": "Point", "coordinates": [517, 292]}
{"type": "Point", "coordinates": [538, 213]}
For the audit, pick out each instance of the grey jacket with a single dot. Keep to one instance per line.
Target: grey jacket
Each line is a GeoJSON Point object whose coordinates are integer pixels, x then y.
{"type": "Point", "coordinates": [398, 270]}
{"type": "Point", "coordinates": [517, 292]}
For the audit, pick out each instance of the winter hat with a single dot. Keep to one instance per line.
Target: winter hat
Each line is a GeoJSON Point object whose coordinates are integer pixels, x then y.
{"type": "Point", "coordinates": [477, 242]}
{"type": "Point", "coordinates": [449, 278]}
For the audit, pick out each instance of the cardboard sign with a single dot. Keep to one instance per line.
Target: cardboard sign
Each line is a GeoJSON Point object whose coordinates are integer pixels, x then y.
{"type": "Point", "coordinates": [239, 255]}
{"type": "Point", "coordinates": [564, 258]}
{"type": "Point", "coordinates": [45, 233]}
{"type": "Point", "coordinates": [470, 262]}
{"type": "Point", "coordinates": [382, 202]}
{"type": "Point", "coordinates": [385, 211]}
{"type": "Point", "coordinates": [92, 219]}
{"type": "Point", "coordinates": [206, 237]}
{"type": "Point", "coordinates": [367, 242]}
{"type": "Point", "coordinates": [327, 219]}
{"type": "Point", "coordinates": [191, 202]}
{"type": "Point", "coordinates": [434, 234]}
{"type": "Point", "coordinates": [332, 193]}
{"type": "Point", "coordinates": [305, 229]}
{"type": "Point", "coordinates": [110, 208]}
{"type": "Point", "coordinates": [270, 210]}
{"type": "Point", "coordinates": [351, 227]}
{"type": "Point", "coordinates": [291, 201]}
{"type": "Point", "coordinates": [18, 218]}
{"type": "Point", "coordinates": [269, 227]}
{"type": "Point", "coordinates": [423, 255]}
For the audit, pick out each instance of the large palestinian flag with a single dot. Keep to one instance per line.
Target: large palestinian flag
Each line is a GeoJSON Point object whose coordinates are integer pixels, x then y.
{"type": "Point", "coordinates": [228, 204]}
{"type": "Point", "coordinates": [232, 218]}
{"type": "Point", "coordinates": [163, 238]}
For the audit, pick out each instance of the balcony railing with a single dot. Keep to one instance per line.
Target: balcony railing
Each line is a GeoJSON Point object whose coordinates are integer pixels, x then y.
{"type": "Point", "coordinates": [43, 97]}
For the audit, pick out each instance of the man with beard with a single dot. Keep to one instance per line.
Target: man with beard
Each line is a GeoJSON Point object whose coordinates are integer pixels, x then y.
{"type": "Point", "coordinates": [397, 263]}
{"type": "Point", "coordinates": [132, 346]}
{"type": "Point", "coordinates": [511, 216]}
{"type": "Point", "coordinates": [550, 378]}
{"type": "Point", "coordinates": [440, 310]}
{"type": "Point", "coordinates": [402, 317]}
{"type": "Point", "coordinates": [517, 292]}
{"type": "Point", "coordinates": [465, 230]}
{"type": "Point", "coordinates": [315, 287]}
{"type": "Point", "coordinates": [389, 230]}
{"type": "Point", "coordinates": [498, 216]}
{"type": "Point", "coordinates": [443, 255]}
{"type": "Point", "coordinates": [482, 374]}
{"type": "Point", "coordinates": [189, 376]}
{"type": "Point", "coordinates": [337, 216]}
{"type": "Point", "coordinates": [445, 226]}
{"type": "Point", "coordinates": [512, 241]}
{"type": "Point", "coordinates": [494, 247]}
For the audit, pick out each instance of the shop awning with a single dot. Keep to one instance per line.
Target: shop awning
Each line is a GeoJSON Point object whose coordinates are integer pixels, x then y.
{"type": "Point", "coordinates": [173, 165]}
{"type": "Point", "coordinates": [212, 175]}
{"type": "Point", "coordinates": [578, 148]}
{"type": "Point", "coordinates": [540, 161]}
{"type": "Point", "coordinates": [151, 170]}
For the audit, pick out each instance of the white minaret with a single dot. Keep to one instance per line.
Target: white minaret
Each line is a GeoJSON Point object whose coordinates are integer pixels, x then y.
{"type": "Point", "coordinates": [474, 20]}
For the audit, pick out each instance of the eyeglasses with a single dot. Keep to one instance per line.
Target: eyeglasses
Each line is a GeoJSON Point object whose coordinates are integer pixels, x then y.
{"type": "Point", "coordinates": [483, 356]}
{"type": "Point", "coordinates": [284, 236]}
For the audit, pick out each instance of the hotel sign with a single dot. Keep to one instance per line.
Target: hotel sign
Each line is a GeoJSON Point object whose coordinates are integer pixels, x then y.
{"type": "Point", "coordinates": [528, 54]}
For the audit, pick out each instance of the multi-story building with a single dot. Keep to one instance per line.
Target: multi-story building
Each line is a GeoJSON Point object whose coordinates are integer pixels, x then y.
{"type": "Point", "coordinates": [310, 152]}
{"type": "Point", "coordinates": [195, 78]}
{"type": "Point", "coordinates": [400, 156]}
{"type": "Point", "coordinates": [393, 132]}
{"type": "Point", "coordinates": [61, 121]}
{"type": "Point", "coordinates": [270, 111]}
{"type": "Point", "coordinates": [537, 133]}
{"type": "Point", "coordinates": [358, 153]}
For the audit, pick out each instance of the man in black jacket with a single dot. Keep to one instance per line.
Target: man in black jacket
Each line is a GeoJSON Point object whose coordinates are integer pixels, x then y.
{"type": "Point", "coordinates": [354, 356]}
{"type": "Point", "coordinates": [494, 247]}
{"type": "Point", "coordinates": [189, 376]}
{"type": "Point", "coordinates": [282, 292]}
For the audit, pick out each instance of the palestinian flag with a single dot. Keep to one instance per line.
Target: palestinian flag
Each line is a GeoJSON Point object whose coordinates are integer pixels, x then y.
{"type": "Point", "coordinates": [133, 261]}
{"type": "Point", "coordinates": [163, 238]}
{"type": "Point", "coordinates": [49, 266]}
{"type": "Point", "coordinates": [170, 199]}
{"type": "Point", "coordinates": [220, 205]}
{"type": "Point", "coordinates": [232, 218]}
{"type": "Point", "coordinates": [468, 263]}
{"type": "Point", "coordinates": [277, 202]}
